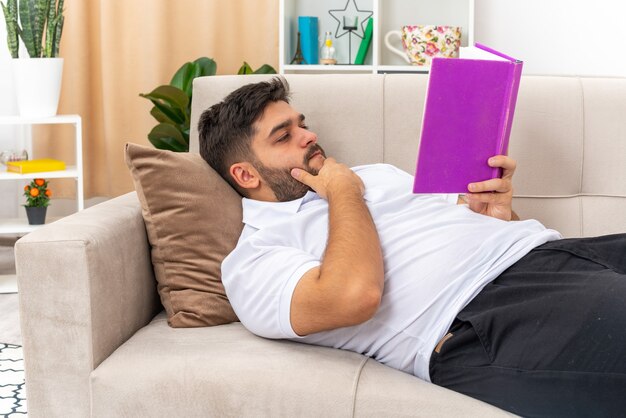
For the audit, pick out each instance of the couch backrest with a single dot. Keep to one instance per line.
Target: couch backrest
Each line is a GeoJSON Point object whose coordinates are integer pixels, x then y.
{"type": "Point", "coordinates": [568, 137]}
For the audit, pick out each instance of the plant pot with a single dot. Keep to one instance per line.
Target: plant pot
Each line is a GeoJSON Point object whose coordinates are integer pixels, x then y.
{"type": "Point", "coordinates": [37, 85]}
{"type": "Point", "coordinates": [36, 214]}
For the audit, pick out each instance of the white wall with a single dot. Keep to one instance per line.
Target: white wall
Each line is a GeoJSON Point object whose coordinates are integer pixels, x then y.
{"type": "Point", "coordinates": [557, 37]}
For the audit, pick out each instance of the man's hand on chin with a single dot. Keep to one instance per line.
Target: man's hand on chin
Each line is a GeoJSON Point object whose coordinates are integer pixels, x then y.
{"type": "Point", "coordinates": [494, 197]}
{"type": "Point", "coordinates": [333, 177]}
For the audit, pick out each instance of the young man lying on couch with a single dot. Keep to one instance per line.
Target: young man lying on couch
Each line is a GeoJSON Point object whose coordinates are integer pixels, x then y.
{"type": "Point", "coordinates": [458, 294]}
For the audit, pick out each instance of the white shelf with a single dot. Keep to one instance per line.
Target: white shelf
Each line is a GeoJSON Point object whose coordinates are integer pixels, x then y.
{"type": "Point", "coordinates": [339, 68]}
{"type": "Point", "coordinates": [329, 68]}
{"type": "Point", "coordinates": [388, 15]}
{"type": "Point", "coordinates": [52, 120]}
{"type": "Point", "coordinates": [20, 225]}
{"type": "Point", "coordinates": [69, 172]}
{"type": "Point", "coordinates": [402, 69]}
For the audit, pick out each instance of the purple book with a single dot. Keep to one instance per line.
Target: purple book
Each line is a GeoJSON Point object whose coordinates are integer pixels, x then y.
{"type": "Point", "coordinates": [468, 114]}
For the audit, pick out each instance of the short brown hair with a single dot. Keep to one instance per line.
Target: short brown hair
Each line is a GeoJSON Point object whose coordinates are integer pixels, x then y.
{"type": "Point", "coordinates": [226, 128]}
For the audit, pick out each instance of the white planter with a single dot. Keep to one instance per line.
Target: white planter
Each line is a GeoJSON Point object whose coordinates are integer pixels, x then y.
{"type": "Point", "coordinates": [37, 85]}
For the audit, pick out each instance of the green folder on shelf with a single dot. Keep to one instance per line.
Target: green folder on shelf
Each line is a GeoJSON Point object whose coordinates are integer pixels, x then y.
{"type": "Point", "coordinates": [365, 43]}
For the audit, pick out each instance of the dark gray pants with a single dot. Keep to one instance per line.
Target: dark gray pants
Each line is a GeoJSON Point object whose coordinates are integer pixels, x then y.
{"type": "Point", "coordinates": [548, 337]}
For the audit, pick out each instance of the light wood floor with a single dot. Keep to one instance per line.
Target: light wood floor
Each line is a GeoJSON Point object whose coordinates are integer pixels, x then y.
{"type": "Point", "coordinates": [9, 308]}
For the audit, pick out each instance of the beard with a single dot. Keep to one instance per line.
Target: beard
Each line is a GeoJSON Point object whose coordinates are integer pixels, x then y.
{"type": "Point", "coordinates": [284, 186]}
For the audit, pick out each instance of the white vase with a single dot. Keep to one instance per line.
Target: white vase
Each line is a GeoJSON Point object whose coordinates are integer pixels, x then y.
{"type": "Point", "coordinates": [37, 85]}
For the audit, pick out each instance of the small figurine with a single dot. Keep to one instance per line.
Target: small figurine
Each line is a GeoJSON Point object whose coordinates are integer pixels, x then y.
{"type": "Point", "coordinates": [298, 58]}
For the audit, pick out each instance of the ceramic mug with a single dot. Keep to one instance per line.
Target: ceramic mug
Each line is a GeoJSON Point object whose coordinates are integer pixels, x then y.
{"type": "Point", "coordinates": [421, 43]}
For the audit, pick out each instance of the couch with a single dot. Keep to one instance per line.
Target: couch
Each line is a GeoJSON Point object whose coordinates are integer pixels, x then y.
{"type": "Point", "coordinates": [96, 342]}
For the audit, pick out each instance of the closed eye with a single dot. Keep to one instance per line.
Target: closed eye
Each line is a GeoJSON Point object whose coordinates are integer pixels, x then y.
{"type": "Point", "coordinates": [283, 138]}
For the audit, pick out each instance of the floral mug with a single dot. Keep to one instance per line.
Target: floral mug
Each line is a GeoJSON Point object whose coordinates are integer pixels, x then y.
{"type": "Point", "coordinates": [421, 43]}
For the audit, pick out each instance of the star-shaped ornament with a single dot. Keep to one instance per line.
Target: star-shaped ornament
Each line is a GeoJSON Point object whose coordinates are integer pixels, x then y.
{"type": "Point", "coordinates": [350, 11]}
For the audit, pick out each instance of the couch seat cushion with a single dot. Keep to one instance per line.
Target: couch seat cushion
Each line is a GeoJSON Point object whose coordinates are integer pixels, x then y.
{"type": "Point", "coordinates": [226, 371]}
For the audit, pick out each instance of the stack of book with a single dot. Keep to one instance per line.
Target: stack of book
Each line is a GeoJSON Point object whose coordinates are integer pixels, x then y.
{"type": "Point", "coordinates": [35, 166]}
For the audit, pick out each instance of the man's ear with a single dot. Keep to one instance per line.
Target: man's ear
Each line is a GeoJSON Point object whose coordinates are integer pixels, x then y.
{"type": "Point", "coordinates": [245, 175]}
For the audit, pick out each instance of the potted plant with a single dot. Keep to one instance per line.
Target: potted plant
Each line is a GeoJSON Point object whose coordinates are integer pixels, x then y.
{"type": "Point", "coordinates": [172, 103]}
{"type": "Point", "coordinates": [39, 24]}
{"type": "Point", "coordinates": [37, 201]}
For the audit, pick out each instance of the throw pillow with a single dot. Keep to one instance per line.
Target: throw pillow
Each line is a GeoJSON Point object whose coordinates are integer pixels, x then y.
{"type": "Point", "coordinates": [193, 220]}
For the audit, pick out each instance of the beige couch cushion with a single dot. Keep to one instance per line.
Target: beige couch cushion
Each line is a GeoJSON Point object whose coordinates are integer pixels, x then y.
{"type": "Point", "coordinates": [226, 371]}
{"type": "Point", "coordinates": [193, 220]}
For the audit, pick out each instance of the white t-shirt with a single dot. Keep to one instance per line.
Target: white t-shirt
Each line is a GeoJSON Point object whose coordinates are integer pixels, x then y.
{"type": "Point", "coordinates": [437, 256]}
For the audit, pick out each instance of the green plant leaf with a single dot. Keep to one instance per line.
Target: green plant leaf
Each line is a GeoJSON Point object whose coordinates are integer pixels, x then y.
{"type": "Point", "coordinates": [51, 30]}
{"type": "Point", "coordinates": [194, 70]}
{"type": "Point", "coordinates": [165, 136]}
{"type": "Point", "coordinates": [41, 14]}
{"type": "Point", "coordinates": [12, 5]}
{"type": "Point", "coordinates": [57, 35]}
{"type": "Point", "coordinates": [183, 79]}
{"type": "Point", "coordinates": [59, 29]}
{"type": "Point", "coordinates": [49, 45]}
{"type": "Point", "coordinates": [185, 133]}
{"type": "Point", "coordinates": [10, 16]}
{"type": "Point", "coordinates": [165, 130]}
{"type": "Point", "coordinates": [245, 69]}
{"type": "Point", "coordinates": [28, 32]}
{"type": "Point", "coordinates": [160, 116]}
{"type": "Point", "coordinates": [171, 101]}
{"type": "Point", "coordinates": [169, 145]}
{"type": "Point", "coordinates": [52, 22]}
{"type": "Point", "coordinates": [175, 115]}
{"type": "Point", "coordinates": [207, 66]}
{"type": "Point", "coordinates": [265, 69]}
{"type": "Point", "coordinates": [202, 67]}
{"type": "Point", "coordinates": [171, 94]}
{"type": "Point", "coordinates": [181, 74]}
{"type": "Point", "coordinates": [59, 9]}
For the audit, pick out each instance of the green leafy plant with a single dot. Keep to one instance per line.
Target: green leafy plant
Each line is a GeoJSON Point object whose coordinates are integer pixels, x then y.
{"type": "Point", "coordinates": [37, 193]}
{"type": "Point", "coordinates": [172, 103]}
{"type": "Point", "coordinates": [42, 26]}
{"type": "Point", "coordinates": [263, 69]}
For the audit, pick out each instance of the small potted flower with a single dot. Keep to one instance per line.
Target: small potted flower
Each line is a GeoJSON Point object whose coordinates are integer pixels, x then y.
{"type": "Point", "coordinates": [37, 201]}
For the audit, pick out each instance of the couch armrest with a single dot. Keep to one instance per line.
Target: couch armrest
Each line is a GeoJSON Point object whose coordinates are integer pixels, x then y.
{"type": "Point", "coordinates": [85, 286]}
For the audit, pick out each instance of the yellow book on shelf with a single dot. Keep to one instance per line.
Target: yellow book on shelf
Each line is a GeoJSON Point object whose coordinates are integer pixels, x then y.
{"type": "Point", "coordinates": [35, 166]}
